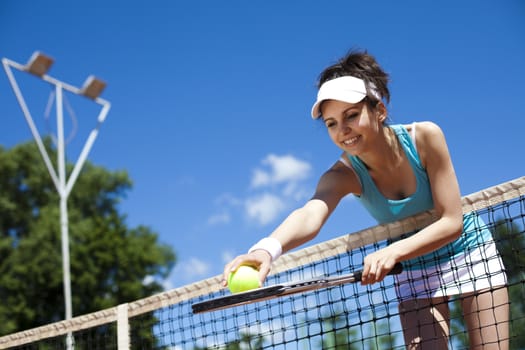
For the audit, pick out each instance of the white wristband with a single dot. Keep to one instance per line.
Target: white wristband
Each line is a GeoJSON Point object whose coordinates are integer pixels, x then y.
{"type": "Point", "coordinates": [271, 245]}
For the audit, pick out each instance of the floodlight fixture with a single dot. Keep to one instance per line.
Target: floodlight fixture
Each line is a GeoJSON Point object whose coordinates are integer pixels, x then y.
{"type": "Point", "coordinates": [92, 87]}
{"type": "Point", "coordinates": [39, 64]}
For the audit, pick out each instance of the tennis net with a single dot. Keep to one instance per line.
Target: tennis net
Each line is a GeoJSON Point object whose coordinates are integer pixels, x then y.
{"type": "Point", "coordinates": [349, 316]}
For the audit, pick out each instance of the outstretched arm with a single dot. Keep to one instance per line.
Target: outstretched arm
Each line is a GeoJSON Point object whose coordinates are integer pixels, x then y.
{"type": "Point", "coordinates": [302, 224]}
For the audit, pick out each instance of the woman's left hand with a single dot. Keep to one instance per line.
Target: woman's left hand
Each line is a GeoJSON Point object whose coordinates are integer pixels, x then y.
{"type": "Point", "coordinates": [377, 265]}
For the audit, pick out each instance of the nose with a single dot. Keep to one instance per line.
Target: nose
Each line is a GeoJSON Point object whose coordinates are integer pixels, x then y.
{"type": "Point", "coordinates": [344, 128]}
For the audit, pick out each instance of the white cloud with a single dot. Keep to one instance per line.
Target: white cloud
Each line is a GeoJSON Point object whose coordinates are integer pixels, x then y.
{"type": "Point", "coordinates": [285, 168]}
{"type": "Point", "coordinates": [282, 175]}
{"type": "Point", "coordinates": [194, 268]}
{"type": "Point", "coordinates": [296, 192]}
{"type": "Point", "coordinates": [264, 208]}
{"type": "Point", "coordinates": [148, 280]}
{"type": "Point", "coordinates": [225, 202]}
{"type": "Point", "coordinates": [227, 199]}
{"type": "Point", "coordinates": [275, 186]}
{"type": "Point", "coordinates": [167, 284]}
{"type": "Point", "coordinates": [221, 218]}
{"type": "Point", "coordinates": [187, 271]}
{"type": "Point", "coordinates": [260, 178]}
{"type": "Point", "coordinates": [185, 180]}
{"type": "Point", "coordinates": [227, 256]}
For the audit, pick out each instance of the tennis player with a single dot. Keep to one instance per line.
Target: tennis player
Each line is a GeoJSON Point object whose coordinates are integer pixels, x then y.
{"type": "Point", "coordinates": [397, 171]}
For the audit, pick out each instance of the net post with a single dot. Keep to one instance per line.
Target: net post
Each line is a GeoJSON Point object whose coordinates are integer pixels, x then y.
{"type": "Point", "coordinates": [123, 341]}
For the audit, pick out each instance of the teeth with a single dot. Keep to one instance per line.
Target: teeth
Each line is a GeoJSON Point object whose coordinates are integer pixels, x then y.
{"type": "Point", "coordinates": [350, 141]}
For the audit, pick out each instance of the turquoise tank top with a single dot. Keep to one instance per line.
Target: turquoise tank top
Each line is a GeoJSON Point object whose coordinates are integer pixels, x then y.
{"type": "Point", "coordinates": [386, 210]}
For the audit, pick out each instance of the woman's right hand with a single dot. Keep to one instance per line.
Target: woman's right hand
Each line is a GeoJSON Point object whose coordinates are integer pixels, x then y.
{"type": "Point", "coordinates": [259, 259]}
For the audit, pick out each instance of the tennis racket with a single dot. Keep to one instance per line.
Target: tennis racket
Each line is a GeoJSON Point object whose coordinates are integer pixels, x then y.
{"type": "Point", "coordinates": [279, 290]}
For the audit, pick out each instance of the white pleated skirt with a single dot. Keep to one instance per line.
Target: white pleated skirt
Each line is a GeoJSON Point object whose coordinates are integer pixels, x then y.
{"type": "Point", "coordinates": [476, 270]}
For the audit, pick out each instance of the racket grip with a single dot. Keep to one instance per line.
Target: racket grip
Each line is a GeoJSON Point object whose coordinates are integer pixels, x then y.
{"type": "Point", "coordinates": [396, 270]}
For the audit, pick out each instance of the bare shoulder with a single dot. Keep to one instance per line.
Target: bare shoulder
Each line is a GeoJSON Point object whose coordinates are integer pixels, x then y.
{"type": "Point", "coordinates": [425, 128]}
{"type": "Point", "coordinates": [429, 128]}
{"type": "Point", "coordinates": [341, 172]}
{"type": "Point", "coordinates": [430, 139]}
{"type": "Point", "coordinates": [340, 179]}
{"type": "Point", "coordinates": [427, 133]}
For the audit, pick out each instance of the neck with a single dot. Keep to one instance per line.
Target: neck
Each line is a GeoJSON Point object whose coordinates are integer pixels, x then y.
{"type": "Point", "coordinates": [387, 153]}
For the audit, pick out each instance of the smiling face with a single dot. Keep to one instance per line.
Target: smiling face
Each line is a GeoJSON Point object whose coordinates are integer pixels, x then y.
{"type": "Point", "coordinates": [353, 127]}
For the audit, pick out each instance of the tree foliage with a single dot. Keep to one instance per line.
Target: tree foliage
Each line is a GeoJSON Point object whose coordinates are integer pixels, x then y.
{"type": "Point", "coordinates": [245, 341]}
{"type": "Point", "coordinates": [111, 263]}
{"type": "Point", "coordinates": [336, 333]}
{"type": "Point", "coordinates": [339, 334]}
{"type": "Point", "coordinates": [510, 242]}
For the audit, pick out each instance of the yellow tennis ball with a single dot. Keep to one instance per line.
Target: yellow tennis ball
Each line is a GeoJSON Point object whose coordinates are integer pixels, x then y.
{"type": "Point", "coordinates": [243, 279]}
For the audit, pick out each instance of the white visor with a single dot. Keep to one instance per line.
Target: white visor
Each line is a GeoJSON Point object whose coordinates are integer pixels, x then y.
{"type": "Point", "coordinates": [346, 89]}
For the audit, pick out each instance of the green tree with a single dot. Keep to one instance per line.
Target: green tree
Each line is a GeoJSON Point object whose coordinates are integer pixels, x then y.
{"type": "Point", "coordinates": [510, 242]}
{"type": "Point", "coordinates": [245, 341]}
{"type": "Point", "coordinates": [111, 263]}
{"type": "Point", "coordinates": [380, 336]}
{"type": "Point", "coordinates": [337, 334]}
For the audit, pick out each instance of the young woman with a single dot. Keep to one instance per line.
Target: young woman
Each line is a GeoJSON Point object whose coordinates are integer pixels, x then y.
{"type": "Point", "coordinates": [397, 171]}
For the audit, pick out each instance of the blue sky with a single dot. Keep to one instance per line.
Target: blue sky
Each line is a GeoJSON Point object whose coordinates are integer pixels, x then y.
{"type": "Point", "coordinates": [211, 99]}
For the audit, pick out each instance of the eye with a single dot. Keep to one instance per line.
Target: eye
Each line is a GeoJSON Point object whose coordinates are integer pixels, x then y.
{"type": "Point", "coordinates": [330, 123]}
{"type": "Point", "coordinates": [351, 116]}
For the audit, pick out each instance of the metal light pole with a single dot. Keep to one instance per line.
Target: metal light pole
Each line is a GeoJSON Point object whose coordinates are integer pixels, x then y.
{"type": "Point", "coordinates": [38, 65]}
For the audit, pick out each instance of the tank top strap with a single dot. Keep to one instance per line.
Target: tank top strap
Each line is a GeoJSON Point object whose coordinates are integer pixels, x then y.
{"type": "Point", "coordinates": [408, 143]}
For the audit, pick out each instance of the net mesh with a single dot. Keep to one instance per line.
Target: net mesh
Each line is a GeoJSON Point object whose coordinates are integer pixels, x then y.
{"type": "Point", "coordinates": [349, 316]}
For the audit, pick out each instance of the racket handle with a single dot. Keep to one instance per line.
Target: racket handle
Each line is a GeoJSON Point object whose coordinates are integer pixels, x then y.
{"type": "Point", "coordinates": [396, 270]}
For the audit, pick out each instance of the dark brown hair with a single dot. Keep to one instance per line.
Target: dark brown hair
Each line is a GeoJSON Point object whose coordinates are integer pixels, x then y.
{"type": "Point", "coordinates": [361, 65]}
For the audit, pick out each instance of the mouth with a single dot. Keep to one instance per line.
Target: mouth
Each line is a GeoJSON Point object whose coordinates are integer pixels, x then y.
{"type": "Point", "coordinates": [351, 141]}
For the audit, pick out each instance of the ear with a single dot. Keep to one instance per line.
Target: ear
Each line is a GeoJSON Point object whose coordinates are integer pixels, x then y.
{"type": "Point", "coordinates": [381, 112]}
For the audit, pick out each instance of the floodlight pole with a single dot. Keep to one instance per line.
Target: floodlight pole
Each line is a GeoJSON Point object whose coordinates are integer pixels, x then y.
{"type": "Point", "coordinates": [63, 185]}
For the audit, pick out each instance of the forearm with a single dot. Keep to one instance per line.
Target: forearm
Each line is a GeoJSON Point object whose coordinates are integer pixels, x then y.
{"type": "Point", "coordinates": [302, 225]}
{"type": "Point", "coordinates": [431, 238]}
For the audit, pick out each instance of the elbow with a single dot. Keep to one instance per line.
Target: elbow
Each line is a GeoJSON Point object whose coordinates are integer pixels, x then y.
{"type": "Point", "coordinates": [311, 227]}
{"type": "Point", "coordinates": [456, 226]}
{"type": "Point", "coordinates": [310, 224]}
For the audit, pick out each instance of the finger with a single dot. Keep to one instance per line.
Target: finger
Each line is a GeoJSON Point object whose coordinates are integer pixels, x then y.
{"type": "Point", "coordinates": [372, 273]}
{"type": "Point", "coordinates": [380, 273]}
{"type": "Point", "coordinates": [385, 269]}
{"type": "Point", "coordinates": [234, 265]}
{"type": "Point", "coordinates": [264, 270]}
{"type": "Point", "coordinates": [365, 273]}
{"type": "Point", "coordinates": [229, 268]}
{"type": "Point", "coordinates": [226, 274]}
